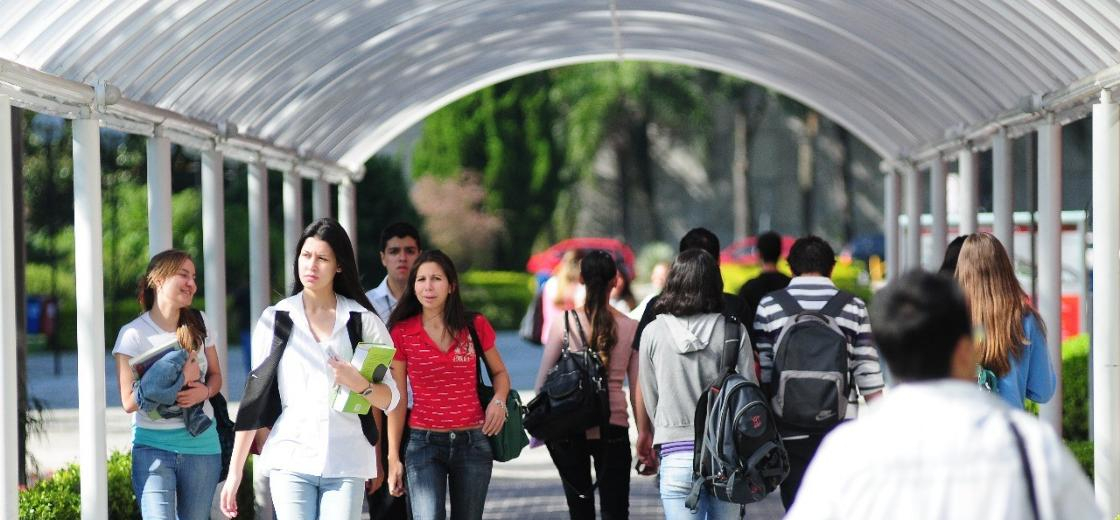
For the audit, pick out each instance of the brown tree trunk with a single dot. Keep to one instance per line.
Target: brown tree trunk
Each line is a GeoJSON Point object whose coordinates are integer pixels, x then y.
{"type": "Point", "coordinates": [805, 159]}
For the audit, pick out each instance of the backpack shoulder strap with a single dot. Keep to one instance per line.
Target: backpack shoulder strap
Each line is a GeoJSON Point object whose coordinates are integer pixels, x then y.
{"type": "Point", "coordinates": [836, 304]}
{"type": "Point", "coordinates": [281, 333]}
{"type": "Point", "coordinates": [354, 328]}
{"type": "Point", "coordinates": [787, 301]}
{"type": "Point", "coordinates": [731, 338]}
{"type": "Point", "coordinates": [1028, 475]}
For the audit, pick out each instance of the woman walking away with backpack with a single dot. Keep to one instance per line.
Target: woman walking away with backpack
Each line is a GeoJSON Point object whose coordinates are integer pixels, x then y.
{"type": "Point", "coordinates": [320, 458]}
{"type": "Point", "coordinates": [610, 334]}
{"type": "Point", "coordinates": [438, 348]}
{"type": "Point", "coordinates": [1013, 337]}
{"type": "Point", "coordinates": [679, 359]}
{"type": "Point", "coordinates": [176, 456]}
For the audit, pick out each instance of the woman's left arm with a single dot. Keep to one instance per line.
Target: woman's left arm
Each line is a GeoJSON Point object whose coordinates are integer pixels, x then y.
{"type": "Point", "coordinates": [195, 392]}
{"type": "Point", "coordinates": [496, 409]}
{"type": "Point", "coordinates": [1041, 381]}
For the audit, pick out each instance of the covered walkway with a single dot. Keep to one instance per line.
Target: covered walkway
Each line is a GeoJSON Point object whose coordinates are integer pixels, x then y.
{"type": "Point", "coordinates": [311, 89]}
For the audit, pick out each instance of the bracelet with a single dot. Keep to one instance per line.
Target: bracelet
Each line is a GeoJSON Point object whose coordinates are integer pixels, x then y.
{"type": "Point", "coordinates": [499, 402]}
{"type": "Point", "coordinates": [367, 391]}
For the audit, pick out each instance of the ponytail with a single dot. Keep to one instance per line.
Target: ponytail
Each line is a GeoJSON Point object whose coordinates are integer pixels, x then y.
{"type": "Point", "coordinates": [598, 270]}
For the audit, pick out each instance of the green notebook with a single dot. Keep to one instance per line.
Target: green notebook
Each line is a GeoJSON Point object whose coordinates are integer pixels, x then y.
{"type": "Point", "coordinates": [372, 361]}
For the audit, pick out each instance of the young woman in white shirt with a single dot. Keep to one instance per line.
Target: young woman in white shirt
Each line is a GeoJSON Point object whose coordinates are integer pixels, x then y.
{"type": "Point", "coordinates": [174, 472]}
{"type": "Point", "coordinates": [319, 458]}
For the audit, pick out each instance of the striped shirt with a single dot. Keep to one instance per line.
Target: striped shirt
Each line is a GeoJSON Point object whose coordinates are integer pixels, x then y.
{"type": "Point", "coordinates": [812, 292]}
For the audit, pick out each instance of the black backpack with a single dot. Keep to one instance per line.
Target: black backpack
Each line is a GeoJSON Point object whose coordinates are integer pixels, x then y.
{"type": "Point", "coordinates": [738, 454]}
{"type": "Point", "coordinates": [574, 395]}
{"type": "Point", "coordinates": [810, 376]}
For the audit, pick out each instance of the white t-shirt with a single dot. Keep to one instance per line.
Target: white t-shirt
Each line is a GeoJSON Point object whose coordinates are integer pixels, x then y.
{"type": "Point", "coordinates": [139, 336]}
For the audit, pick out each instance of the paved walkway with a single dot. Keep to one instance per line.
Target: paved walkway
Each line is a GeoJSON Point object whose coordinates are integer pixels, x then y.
{"type": "Point", "coordinates": [527, 487]}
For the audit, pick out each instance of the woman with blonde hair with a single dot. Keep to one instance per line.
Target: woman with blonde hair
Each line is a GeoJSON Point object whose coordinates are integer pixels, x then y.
{"type": "Point", "coordinates": [561, 293]}
{"type": "Point", "coordinates": [176, 455]}
{"type": "Point", "coordinates": [1013, 337]}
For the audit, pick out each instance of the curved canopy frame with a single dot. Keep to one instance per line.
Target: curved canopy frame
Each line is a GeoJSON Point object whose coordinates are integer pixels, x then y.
{"type": "Point", "coordinates": [333, 82]}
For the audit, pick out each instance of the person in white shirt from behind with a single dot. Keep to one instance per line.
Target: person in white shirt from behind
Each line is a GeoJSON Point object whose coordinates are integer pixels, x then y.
{"type": "Point", "coordinates": [400, 246]}
{"type": "Point", "coordinates": [937, 446]}
{"type": "Point", "coordinates": [319, 457]}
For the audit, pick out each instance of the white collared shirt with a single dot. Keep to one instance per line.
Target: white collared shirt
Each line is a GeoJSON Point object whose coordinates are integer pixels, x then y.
{"type": "Point", "coordinates": [382, 299]}
{"type": "Point", "coordinates": [310, 437]}
{"type": "Point", "coordinates": [941, 450]}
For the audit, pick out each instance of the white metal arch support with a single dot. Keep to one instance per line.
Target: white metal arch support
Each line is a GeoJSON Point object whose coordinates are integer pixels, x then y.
{"type": "Point", "coordinates": [90, 291]}
{"type": "Point", "coordinates": [320, 199]}
{"type": "Point", "coordinates": [1002, 227]}
{"type": "Point", "coordinates": [159, 195]}
{"type": "Point", "coordinates": [1106, 300]}
{"type": "Point", "coordinates": [9, 398]}
{"type": "Point", "coordinates": [890, 224]}
{"type": "Point", "coordinates": [293, 223]}
{"type": "Point", "coordinates": [258, 241]}
{"type": "Point", "coordinates": [1049, 255]}
{"type": "Point", "coordinates": [968, 184]}
{"type": "Point", "coordinates": [214, 254]}
{"type": "Point", "coordinates": [913, 182]}
{"type": "Point", "coordinates": [348, 211]}
{"type": "Point", "coordinates": [937, 207]}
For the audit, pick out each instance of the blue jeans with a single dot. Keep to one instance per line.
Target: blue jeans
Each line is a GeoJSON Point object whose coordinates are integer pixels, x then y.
{"type": "Point", "coordinates": [169, 485]}
{"type": "Point", "coordinates": [438, 462]}
{"type": "Point", "coordinates": [676, 482]}
{"type": "Point", "coordinates": [296, 496]}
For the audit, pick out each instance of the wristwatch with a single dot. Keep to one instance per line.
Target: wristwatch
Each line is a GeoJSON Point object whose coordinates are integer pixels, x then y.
{"type": "Point", "coordinates": [499, 402]}
{"type": "Point", "coordinates": [367, 391]}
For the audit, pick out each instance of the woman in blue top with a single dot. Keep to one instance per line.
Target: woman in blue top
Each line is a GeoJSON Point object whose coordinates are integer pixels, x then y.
{"type": "Point", "coordinates": [1014, 338]}
{"type": "Point", "coordinates": [175, 470]}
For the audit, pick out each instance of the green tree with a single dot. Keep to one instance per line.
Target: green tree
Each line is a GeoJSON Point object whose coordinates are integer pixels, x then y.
{"type": "Point", "coordinates": [382, 200]}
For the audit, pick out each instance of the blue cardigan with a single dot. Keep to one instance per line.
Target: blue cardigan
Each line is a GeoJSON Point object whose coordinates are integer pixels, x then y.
{"type": "Point", "coordinates": [1032, 374]}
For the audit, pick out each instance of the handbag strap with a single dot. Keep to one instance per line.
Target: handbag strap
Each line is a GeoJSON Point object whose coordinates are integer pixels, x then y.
{"type": "Point", "coordinates": [479, 358]}
{"type": "Point", "coordinates": [1026, 465]}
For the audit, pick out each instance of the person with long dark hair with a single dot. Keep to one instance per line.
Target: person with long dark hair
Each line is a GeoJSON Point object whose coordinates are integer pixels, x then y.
{"type": "Point", "coordinates": [679, 358]}
{"type": "Point", "coordinates": [175, 470]}
{"type": "Point", "coordinates": [439, 345]}
{"type": "Point", "coordinates": [609, 335]}
{"type": "Point", "coordinates": [1013, 339]}
{"type": "Point", "coordinates": [319, 458]}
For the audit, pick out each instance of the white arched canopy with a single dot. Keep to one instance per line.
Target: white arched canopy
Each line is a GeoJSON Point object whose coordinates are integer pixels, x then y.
{"type": "Point", "coordinates": [313, 88]}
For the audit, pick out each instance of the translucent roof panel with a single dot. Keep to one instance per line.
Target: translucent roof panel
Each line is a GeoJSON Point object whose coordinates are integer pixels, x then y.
{"type": "Point", "coordinates": [340, 79]}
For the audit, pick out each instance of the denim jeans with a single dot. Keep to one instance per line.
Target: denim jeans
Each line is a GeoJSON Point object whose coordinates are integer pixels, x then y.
{"type": "Point", "coordinates": [676, 483]}
{"type": "Point", "coordinates": [441, 462]}
{"type": "Point", "coordinates": [572, 457]}
{"type": "Point", "coordinates": [169, 485]}
{"type": "Point", "coordinates": [296, 496]}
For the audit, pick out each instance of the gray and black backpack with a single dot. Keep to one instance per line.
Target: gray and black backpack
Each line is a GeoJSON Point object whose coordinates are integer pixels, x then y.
{"type": "Point", "coordinates": [810, 376]}
{"type": "Point", "coordinates": [738, 454]}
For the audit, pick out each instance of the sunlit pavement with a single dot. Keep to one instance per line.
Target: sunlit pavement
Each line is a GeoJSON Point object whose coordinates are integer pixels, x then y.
{"type": "Point", "coordinates": [527, 487]}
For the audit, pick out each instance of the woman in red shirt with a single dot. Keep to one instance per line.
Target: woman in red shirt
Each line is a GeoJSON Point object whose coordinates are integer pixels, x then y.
{"type": "Point", "coordinates": [447, 449]}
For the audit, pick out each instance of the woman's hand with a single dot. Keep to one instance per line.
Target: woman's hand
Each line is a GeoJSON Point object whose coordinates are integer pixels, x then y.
{"type": "Point", "coordinates": [228, 501]}
{"type": "Point", "coordinates": [396, 477]}
{"type": "Point", "coordinates": [192, 394]}
{"type": "Point", "coordinates": [495, 417]}
{"type": "Point", "coordinates": [346, 375]}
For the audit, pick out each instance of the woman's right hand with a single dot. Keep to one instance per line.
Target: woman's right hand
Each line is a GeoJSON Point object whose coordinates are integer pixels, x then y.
{"type": "Point", "coordinates": [228, 501]}
{"type": "Point", "coordinates": [396, 477]}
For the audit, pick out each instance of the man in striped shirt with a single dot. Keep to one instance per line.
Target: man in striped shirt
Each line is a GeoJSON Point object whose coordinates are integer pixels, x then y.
{"type": "Point", "coordinates": [811, 259]}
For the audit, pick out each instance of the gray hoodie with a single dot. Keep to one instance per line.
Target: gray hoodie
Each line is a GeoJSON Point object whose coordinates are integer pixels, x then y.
{"type": "Point", "coordinates": [679, 359]}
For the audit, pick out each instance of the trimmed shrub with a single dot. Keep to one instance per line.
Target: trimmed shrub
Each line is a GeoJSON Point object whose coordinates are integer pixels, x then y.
{"type": "Point", "coordinates": [1083, 452]}
{"type": "Point", "coordinates": [501, 296]}
{"type": "Point", "coordinates": [850, 276]}
{"type": "Point", "coordinates": [1075, 388]}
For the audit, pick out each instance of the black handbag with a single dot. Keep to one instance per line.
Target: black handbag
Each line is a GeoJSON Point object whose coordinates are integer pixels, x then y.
{"type": "Point", "coordinates": [573, 397]}
{"type": "Point", "coordinates": [225, 430]}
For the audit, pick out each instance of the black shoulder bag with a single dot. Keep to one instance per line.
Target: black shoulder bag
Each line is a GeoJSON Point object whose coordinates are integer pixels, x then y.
{"type": "Point", "coordinates": [573, 397]}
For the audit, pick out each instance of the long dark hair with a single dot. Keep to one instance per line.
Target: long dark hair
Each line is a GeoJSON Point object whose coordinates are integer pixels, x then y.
{"type": "Point", "coordinates": [190, 330]}
{"type": "Point", "coordinates": [598, 270]}
{"type": "Point", "coordinates": [454, 313]}
{"type": "Point", "coordinates": [346, 280]}
{"type": "Point", "coordinates": [694, 286]}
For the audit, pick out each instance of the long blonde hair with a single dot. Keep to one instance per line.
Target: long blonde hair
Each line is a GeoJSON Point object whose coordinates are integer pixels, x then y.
{"type": "Point", "coordinates": [996, 300]}
{"type": "Point", "coordinates": [191, 330]}
{"type": "Point", "coordinates": [567, 279]}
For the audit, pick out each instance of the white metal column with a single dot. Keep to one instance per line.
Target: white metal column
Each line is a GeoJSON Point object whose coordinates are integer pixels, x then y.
{"type": "Point", "coordinates": [90, 288]}
{"type": "Point", "coordinates": [1049, 255]}
{"type": "Point", "coordinates": [348, 211]}
{"type": "Point", "coordinates": [214, 253]}
{"type": "Point", "coordinates": [939, 231]}
{"type": "Point", "coordinates": [293, 224]}
{"type": "Point", "coordinates": [9, 481]}
{"type": "Point", "coordinates": [1003, 226]}
{"type": "Point", "coordinates": [320, 199]}
{"type": "Point", "coordinates": [890, 224]}
{"type": "Point", "coordinates": [159, 195]}
{"type": "Point", "coordinates": [913, 218]}
{"type": "Point", "coordinates": [258, 241]}
{"type": "Point", "coordinates": [1106, 300]}
{"type": "Point", "coordinates": [969, 191]}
